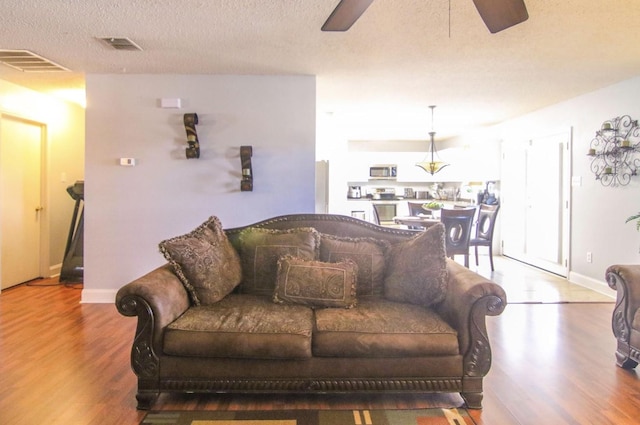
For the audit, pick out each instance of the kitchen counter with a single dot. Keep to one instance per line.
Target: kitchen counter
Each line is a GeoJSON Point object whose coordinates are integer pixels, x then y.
{"type": "Point", "coordinates": [450, 204]}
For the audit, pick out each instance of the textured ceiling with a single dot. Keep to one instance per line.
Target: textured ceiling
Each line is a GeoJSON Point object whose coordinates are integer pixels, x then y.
{"type": "Point", "coordinates": [381, 75]}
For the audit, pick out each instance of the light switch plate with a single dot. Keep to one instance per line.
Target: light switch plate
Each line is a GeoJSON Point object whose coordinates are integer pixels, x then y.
{"type": "Point", "coordinates": [128, 162]}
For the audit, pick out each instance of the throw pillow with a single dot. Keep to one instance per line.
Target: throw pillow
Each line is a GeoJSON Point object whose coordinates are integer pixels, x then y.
{"type": "Point", "coordinates": [261, 248]}
{"type": "Point", "coordinates": [316, 283]}
{"type": "Point", "coordinates": [368, 254]}
{"type": "Point", "coordinates": [417, 269]}
{"type": "Point", "coordinates": [205, 262]}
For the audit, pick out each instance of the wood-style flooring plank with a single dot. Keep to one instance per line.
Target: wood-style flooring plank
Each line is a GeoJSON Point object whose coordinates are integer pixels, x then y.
{"type": "Point", "coordinates": [62, 362]}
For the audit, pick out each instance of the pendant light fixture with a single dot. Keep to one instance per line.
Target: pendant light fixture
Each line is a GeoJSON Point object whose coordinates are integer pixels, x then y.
{"type": "Point", "coordinates": [432, 164]}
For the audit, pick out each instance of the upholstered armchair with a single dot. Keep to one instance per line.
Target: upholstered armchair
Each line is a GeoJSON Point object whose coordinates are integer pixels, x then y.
{"type": "Point", "coordinates": [625, 279]}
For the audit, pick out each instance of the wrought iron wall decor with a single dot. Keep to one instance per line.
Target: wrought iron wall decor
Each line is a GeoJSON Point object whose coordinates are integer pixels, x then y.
{"type": "Point", "coordinates": [614, 151]}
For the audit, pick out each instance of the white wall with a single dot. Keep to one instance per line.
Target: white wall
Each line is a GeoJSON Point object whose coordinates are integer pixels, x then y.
{"type": "Point", "coordinates": [598, 213]}
{"type": "Point", "coordinates": [64, 157]}
{"type": "Point", "coordinates": [130, 209]}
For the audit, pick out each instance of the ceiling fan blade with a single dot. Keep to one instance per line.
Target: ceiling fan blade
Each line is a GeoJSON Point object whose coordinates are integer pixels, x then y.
{"type": "Point", "coordinates": [345, 14]}
{"type": "Point", "coordinates": [501, 14]}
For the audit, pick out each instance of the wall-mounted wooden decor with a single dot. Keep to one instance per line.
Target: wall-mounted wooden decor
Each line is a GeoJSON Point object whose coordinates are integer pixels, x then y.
{"type": "Point", "coordinates": [246, 185]}
{"type": "Point", "coordinates": [190, 121]}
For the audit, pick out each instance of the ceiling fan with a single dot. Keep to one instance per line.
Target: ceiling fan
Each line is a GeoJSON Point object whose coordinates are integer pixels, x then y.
{"type": "Point", "coordinates": [496, 14]}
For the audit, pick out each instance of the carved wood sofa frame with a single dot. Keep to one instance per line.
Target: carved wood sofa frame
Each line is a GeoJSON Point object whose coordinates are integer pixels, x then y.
{"type": "Point", "coordinates": [158, 298]}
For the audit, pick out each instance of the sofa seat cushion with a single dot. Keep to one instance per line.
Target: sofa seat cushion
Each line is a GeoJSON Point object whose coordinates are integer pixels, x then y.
{"type": "Point", "coordinates": [635, 324]}
{"type": "Point", "coordinates": [381, 328]}
{"type": "Point", "coordinates": [242, 326]}
{"type": "Point", "coordinates": [634, 337]}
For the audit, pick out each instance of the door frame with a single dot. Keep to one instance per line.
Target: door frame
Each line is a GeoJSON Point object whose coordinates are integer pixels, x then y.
{"type": "Point", "coordinates": [44, 257]}
{"type": "Point", "coordinates": [567, 134]}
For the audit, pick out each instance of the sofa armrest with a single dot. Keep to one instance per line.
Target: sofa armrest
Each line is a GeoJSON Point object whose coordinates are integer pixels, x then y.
{"type": "Point", "coordinates": [625, 280]}
{"type": "Point", "coordinates": [470, 298]}
{"type": "Point", "coordinates": [157, 298]}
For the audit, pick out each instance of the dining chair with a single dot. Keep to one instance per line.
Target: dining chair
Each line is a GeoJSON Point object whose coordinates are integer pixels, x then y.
{"type": "Point", "coordinates": [415, 208]}
{"type": "Point", "coordinates": [484, 230]}
{"type": "Point", "coordinates": [458, 223]}
{"type": "Point", "coordinates": [376, 215]}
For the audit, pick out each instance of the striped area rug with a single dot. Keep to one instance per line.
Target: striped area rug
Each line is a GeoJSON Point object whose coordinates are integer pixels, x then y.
{"type": "Point", "coordinates": [433, 416]}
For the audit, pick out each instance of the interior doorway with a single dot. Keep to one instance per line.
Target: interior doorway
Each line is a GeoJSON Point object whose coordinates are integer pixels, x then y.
{"type": "Point", "coordinates": [535, 189]}
{"type": "Point", "coordinates": [21, 200]}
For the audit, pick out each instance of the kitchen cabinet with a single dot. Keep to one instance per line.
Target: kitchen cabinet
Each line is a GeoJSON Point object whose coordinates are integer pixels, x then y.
{"type": "Point", "coordinates": [360, 208]}
{"type": "Point", "coordinates": [364, 207]}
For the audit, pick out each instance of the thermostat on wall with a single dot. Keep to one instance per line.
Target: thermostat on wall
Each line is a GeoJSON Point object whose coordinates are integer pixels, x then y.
{"type": "Point", "coordinates": [128, 162]}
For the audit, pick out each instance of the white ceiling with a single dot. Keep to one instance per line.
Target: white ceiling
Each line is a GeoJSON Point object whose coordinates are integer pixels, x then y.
{"type": "Point", "coordinates": [398, 58]}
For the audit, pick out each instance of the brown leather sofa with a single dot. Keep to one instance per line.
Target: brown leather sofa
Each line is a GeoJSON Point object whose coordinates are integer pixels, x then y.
{"type": "Point", "coordinates": [383, 344]}
{"type": "Point", "coordinates": [625, 279]}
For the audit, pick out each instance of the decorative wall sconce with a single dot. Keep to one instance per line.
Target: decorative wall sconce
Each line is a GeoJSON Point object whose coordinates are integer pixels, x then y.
{"type": "Point", "coordinates": [613, 151]}
{"type": "Point", "coordinates": [246, 184]}
{"type": "Point", "coordinates": [190, 121]}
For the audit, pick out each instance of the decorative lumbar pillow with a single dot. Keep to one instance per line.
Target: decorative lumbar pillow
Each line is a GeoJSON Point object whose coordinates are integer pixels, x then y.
{"type": "Point", "coordinates": [205, 261]}
{"type": "Point", "coordinates": [367, 253]}
{"type": "Point", "coordinates": [417, 269]}
{"type": "Point", "coordinates": [261, 248]}
{"type": "Point", "coordinates": [316, 283]}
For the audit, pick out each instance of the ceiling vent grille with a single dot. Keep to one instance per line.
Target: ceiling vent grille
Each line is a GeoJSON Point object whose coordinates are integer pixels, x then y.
{"type": "Point", "coordinates": [120, 43]}
{"type": "Point", "coordinates": [26, 61]}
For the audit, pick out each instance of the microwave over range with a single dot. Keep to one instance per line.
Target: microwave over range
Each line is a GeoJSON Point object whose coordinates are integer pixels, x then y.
{"type": "Point", "coordinates": [383, 172]}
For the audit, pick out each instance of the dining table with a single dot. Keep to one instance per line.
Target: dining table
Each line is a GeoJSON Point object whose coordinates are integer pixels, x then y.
{"type": "Point", "coordinates": [416, 221]}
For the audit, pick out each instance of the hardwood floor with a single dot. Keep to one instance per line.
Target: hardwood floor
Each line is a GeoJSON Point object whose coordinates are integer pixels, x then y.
{"type": "Point", "coordinates": [62, 362]}
{"type": "Point", "coordinates": [527, 284]}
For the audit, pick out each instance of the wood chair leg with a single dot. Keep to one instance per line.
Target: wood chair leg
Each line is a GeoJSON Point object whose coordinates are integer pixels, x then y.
{"type": "Point", "coordinates": [491, 257]}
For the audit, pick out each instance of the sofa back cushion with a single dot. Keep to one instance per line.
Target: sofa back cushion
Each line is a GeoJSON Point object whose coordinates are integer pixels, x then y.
{"type": "Point", "coordinates": [204, 261]}
{"type": "Point", "coordinates": [316, 283]}
{"type": "Point", "coordinates": [417, 269]}
{"type": "Point", "coordinates": [367, 253]}
{"type": "Point", "coordinates": [260, 250]}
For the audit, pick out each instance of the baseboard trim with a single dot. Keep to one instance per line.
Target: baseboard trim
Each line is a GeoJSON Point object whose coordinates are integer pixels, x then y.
{"type": "Point", "coordinates": [593, 284]}
{"type": "Point", "coordinates": [98, 296]}
{"type": "Point", "coordinates": [55, 270]}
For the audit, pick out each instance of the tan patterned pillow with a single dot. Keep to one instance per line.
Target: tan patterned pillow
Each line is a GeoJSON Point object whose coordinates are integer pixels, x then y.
{"type": "Point", "coordinates": [205, 262]}
{"type": "Point", "coordinates": [260, 250]}
{"type": "Point", "coordinates": [368, 254]}
{"type": "Point", "coordinates": [417, 269]}
{"type": "Point", "coordinates": [316, 283]}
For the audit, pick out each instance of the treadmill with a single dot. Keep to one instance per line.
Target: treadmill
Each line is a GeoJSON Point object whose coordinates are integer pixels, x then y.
{"type": "Point", "coordinates": [73, 262]}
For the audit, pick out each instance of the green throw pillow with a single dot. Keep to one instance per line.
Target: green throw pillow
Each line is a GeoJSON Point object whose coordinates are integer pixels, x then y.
{"type": "Point", "coordinates": [261, 249]}
{"type": "Point", "coordinates": [367, 253]}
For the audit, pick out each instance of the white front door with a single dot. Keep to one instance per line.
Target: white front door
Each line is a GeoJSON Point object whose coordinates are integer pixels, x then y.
{"type": "Point", "coordinates": [535, 189]}
{"type": "Point", "coordinates": [20, 199]}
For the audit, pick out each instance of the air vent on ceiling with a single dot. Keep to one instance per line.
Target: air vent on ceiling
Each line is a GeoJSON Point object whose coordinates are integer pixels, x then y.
{"type": "Point", "coordinates": [24, 60]}
{"type": "Point", "coordinates": [120, 43]}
